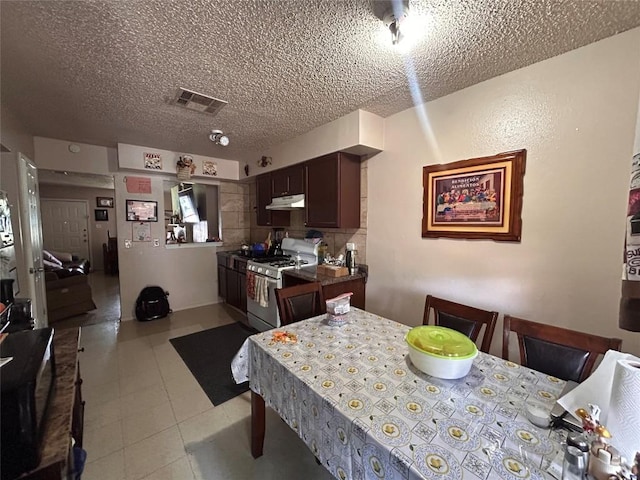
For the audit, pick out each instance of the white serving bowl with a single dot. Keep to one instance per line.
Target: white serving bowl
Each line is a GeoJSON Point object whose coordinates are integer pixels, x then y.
{"type": "Point", "coordinates": [441, 352]}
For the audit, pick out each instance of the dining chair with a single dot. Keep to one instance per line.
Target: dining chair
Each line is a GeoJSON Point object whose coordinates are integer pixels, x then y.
{"type": "Point", "coordinates": [463, 318]}
{"type": "Point", "coordinates": [561, 352]}
{"type": "Point", "coordinates": [300, 302]}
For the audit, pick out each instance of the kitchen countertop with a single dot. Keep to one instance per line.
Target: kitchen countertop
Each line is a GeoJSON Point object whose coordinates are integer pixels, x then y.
{"type": "Point", "coordinates": [310, 274]}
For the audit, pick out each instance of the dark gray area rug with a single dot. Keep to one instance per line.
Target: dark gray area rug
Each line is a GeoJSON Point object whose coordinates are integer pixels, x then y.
{"type": "Point", "coordinates": [208, 355]}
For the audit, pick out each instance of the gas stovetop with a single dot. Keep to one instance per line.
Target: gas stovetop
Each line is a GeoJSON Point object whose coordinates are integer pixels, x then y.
{"type": "Point", "coordinates": [279, 261]}
{"type": "Point", "coordinates": [298, 252]}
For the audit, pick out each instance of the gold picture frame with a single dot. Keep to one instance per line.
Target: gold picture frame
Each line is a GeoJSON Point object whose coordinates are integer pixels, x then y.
{"type": "Point", "coordinates": [103, 202]}
{"type": "Point", "coordinates": [479, 198]}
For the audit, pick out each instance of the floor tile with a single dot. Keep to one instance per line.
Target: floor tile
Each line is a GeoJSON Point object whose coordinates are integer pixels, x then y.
{"type": "Point", "coordinates": [141, 401]}
{"type": "Point", "coordinates": [103, 441]}
{"type": "Point", "coordinates": [141, 426]}
{"type": "Point", "coordinates": [110, 467]}
{"type": "Point", "coordinates": [98, 415]}
{"type": "Point", "coordinates": [190, 403]}
{"type": "Point", "coordinates": [178, 470]}
{"type": "Point", "coordinates": [202, 428]}
{"type": "Point", "coordinates": [139, 381]}
{"type": "Point", "coordinates": [149, 455]}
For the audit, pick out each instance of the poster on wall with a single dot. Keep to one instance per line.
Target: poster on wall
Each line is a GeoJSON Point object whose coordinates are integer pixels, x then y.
{"type": "Point", "coordinates": [141, 232]}
{"type": "Point", "coordinates": [209, 168]}
{"type": "Point", "coordinates": [152, 161]}
{"type": "Point", "coordinates": [138, 184]}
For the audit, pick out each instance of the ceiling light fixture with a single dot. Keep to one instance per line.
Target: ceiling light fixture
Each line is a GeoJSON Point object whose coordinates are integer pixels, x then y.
{"type": "Point", "coordinates": [392, 20]}
{"type": "Point", "coordinates": [217, 137]}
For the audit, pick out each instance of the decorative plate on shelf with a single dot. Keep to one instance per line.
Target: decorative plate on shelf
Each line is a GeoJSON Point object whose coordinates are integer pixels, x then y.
{"type": "Point", "coordinates": [434, 462]}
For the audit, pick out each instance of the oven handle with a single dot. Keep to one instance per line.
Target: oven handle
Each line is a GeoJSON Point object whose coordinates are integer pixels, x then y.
{"type": "Point", "coordinates": [272, 284]}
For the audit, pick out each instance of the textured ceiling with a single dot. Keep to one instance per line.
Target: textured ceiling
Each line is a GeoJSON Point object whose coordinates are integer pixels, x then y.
{"type": "Point", "coordinates": [102, 72]}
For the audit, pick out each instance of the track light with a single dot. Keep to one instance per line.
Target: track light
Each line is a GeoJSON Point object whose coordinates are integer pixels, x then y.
{"type": "Point", "coordinates": [217, 137]}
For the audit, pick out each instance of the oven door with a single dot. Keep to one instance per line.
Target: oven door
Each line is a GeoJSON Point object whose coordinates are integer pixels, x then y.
{"type": "Point", "coordinates": [265, 318]}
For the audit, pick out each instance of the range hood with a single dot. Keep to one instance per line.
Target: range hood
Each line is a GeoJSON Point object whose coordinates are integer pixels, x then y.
{"type": "Point", "coordinates": [290, 202]}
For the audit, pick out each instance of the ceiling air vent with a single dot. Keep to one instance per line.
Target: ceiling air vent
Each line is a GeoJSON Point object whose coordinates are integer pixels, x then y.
{"type": "Point", "coordinates": [198, 102]}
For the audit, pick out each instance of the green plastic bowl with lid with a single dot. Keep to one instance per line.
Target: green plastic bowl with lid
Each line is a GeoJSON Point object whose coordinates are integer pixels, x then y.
{"type": "Point", "coordinates": [440, 351]}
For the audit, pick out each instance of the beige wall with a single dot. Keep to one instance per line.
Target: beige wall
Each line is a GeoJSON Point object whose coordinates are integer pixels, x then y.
{"type": "Point", "coordinates": [575, 114]}
{"type": "Point", "coordinates": [97, 230]}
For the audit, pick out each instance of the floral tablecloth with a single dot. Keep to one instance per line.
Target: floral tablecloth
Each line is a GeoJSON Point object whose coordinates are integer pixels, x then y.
{"type": "Point", "coordinates": [353, 396]}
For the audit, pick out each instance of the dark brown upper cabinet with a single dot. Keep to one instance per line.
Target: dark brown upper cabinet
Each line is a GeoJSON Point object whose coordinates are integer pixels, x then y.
{"type": "Point", "coordinates": [264, 217]}
{"type": "Point", "coordinates": [332, 196]}
{"type": "Point", "coordinates": [287, 181]}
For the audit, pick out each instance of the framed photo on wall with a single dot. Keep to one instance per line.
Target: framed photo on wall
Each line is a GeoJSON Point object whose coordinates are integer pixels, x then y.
{"type": "Point", "coordinates": [480, 198]}
{"type": "Point", "coordinates": [101, 215]}
{"type": "Point", "coordinates": [104, 202]}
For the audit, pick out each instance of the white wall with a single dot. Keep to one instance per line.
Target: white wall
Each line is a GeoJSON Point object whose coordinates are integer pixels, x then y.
{"type": "Point", "coordinates": [358, 132]}
{"type": "Point", "coordinates": [54, 154]}
{"type": "Point", "coordinates": [131, 157]}
{"type": "Point", "coordinates": [575, 114]}
{"type": "Point", "coordinates": [189, 273]}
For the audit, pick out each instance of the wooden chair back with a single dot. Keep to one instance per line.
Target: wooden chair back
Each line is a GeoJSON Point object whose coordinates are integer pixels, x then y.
{"type": "Point", "coordinates": [300, 302]}
{"type": "Point", "coordinates": [561, 352]}
{"type": "Point", "coordinates": [463, 318]}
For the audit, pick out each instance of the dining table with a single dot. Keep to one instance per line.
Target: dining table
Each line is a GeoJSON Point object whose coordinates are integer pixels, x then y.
{"type": "Point", "coordinates": [365, 411]}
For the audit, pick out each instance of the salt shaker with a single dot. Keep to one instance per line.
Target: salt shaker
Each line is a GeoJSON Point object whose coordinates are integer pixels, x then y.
{"type": "Point", "coordinates": [574, 466]}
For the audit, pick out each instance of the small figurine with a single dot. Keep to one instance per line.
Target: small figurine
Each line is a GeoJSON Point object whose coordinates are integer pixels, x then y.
{"type": "Point", "coordinates": [591, 422]}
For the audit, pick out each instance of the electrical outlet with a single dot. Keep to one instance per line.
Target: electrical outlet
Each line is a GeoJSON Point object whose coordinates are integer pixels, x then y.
{"type": "Point", "coordinates": [127, 243]}
{"type": "Point", "coordinates": [351, 246]}
{"type": "Point", "coordinates": [156, 242]}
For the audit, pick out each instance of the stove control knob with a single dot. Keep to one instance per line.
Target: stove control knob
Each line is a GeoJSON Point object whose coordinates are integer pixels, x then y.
{"type": "Point", "coordinates": [259, 269]}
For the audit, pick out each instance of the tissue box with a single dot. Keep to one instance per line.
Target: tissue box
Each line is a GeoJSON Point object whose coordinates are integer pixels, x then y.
{"type": "Point", "coordinates": [332, 270]}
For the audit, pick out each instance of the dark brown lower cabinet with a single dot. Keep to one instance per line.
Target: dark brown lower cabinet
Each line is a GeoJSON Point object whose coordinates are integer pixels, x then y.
{"type": "Point", "coordinates": [232, 282]}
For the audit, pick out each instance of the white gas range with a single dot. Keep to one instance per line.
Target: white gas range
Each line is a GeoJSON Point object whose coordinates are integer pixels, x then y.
{"type": "Point", "coordinates": [264, 275]}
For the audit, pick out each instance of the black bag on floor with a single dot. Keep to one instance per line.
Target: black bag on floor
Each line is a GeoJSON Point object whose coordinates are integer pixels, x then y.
{"type": "Point", "coordinates": [152, 303]}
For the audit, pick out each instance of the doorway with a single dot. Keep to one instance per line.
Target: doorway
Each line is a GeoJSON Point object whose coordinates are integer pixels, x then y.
{"type": "Point", "coordinates": [60, 189]}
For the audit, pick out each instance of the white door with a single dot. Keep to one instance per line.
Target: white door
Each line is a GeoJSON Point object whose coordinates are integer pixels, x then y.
{"type": "Point", "coordinates": [32, 237]}
{"type": "Point", "coordinates": [65, 226]}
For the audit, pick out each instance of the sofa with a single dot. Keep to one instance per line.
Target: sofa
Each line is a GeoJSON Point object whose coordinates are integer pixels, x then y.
{"type": "Point", "coordinates": [67, 286]}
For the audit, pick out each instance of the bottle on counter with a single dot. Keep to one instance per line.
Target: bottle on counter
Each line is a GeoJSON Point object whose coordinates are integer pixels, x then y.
{"type": "Point", "coordinates": [351, 262]}
{"type": "Point", "coordinates": [322, 252]}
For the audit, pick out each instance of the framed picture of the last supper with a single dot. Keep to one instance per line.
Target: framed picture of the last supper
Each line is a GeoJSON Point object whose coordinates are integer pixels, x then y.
{"type": "Point", "coordinates": [479, 198]}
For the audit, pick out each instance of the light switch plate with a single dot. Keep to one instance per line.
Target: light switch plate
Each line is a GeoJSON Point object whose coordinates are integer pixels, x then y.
{"type": "Point", "coordinates": [127, 243]}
